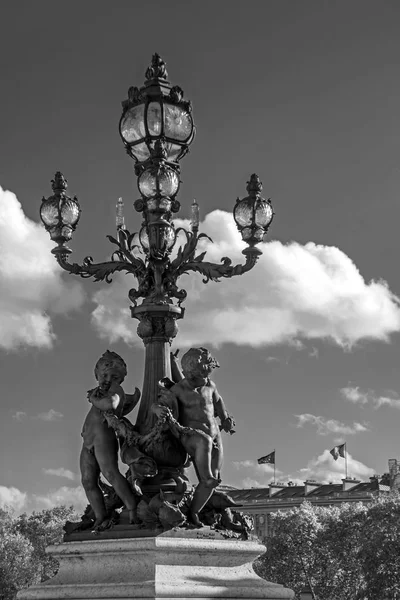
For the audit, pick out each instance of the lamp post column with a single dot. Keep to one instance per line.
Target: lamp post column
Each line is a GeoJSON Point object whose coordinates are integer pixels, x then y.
{"type": "Point", "coordinates": [157, 328]}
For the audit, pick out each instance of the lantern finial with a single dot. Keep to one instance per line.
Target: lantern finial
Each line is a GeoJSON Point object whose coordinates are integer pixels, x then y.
{"type": "Point", "coordinates": [59, 183]}
{"type": "Point", "coordinates": [254, 186]}
{"type": "Point", "coordinates": [157, 69]}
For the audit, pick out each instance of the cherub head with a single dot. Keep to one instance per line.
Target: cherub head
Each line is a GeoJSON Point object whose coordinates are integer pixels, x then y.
{"type": "Point", "coordinates": [110, 368]}
{"type": "Point", "coordinates": [198, 363]}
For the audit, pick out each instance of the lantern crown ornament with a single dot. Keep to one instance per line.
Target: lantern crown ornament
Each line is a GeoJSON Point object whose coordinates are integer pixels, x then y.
{"type": "Point", "coordinates": [253, 214]}
{"type": "Point", "coordinates": [156, 112]}
{"type": "Point", "coordinates": [60, 213]}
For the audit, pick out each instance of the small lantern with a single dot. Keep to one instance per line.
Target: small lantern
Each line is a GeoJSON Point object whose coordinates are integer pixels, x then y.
{"type": "Point", "coordinates": [253, 214]}
{"type": "Point", "coordinates": [60, 213]}
{"type": "Point", "coordinates": [157, 111]}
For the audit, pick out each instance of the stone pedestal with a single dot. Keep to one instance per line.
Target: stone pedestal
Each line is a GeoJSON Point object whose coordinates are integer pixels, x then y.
{"type": "Point", "coordinates": [168, 566]}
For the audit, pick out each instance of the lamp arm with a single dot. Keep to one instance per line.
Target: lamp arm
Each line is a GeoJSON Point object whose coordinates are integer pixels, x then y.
{"type": "Point", "coordinates": [99, 271]}
{"type": "Point", "coordinates": [214, 272]}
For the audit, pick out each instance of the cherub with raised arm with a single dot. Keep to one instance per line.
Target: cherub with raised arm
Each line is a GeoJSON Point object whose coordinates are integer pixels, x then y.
{"type": "Point", "coordinates": [100, 445]}
{"type": "Point", "coordinates": [196, 403]}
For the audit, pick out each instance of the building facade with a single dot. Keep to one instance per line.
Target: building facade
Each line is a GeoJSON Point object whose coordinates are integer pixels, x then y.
{"type": "Point", "coordinates": [261, 502]}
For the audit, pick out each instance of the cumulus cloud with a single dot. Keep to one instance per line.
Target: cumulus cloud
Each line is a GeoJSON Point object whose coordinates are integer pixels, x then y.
{"type": "Point", "coordinates": [61, 472]}
{"type": "Point", "coordinates": [324, 469]}
{"type": "Point", "coordinates": [19, 501]}
{"type": "Point", "coordinates": [327, 426]}
{"type": "Point", "coordinates": [384, 400]}
{"type": "Point", "coordinates": [12, 497]}
{"type": "Point", "coordinates": [354, 394]}
{"type": "Point", "coordinates": [69, 496]}
{"type": "Point", "coordinates": [255, 475]}
{"type": "Point", "coordinates": [30, 280]}
{"type": "Point", "coordinates": [19, 415]}
{"type": "Point", "coordinates": [295, 292]}
{"type": "Point", "coordinates": [357, 396]}
{"type": "Point", "coordinates": [50, 415]}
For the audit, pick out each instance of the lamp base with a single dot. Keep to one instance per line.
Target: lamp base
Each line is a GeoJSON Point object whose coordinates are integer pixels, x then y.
{"type": "Point", "coordinates": [196, 564]}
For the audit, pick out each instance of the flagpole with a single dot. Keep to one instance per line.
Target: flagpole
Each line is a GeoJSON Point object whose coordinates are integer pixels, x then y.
{"type": "Point", "coordinates": [345, 447]}
{"type": "Point", "coordinates": [274, 466]}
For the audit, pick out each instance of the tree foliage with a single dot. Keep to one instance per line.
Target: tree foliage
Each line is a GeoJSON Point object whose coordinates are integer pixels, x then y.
{"type": "Point", "coordinates": [349, 551]}
{"type": "Point", "coordinates": [23, 540]}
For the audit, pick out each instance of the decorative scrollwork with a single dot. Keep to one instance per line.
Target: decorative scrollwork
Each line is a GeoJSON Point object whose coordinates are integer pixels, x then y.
{"type": "Point", "coordinates": [157, 279]}
{"type": "Point", "coordinates": [123, 259]}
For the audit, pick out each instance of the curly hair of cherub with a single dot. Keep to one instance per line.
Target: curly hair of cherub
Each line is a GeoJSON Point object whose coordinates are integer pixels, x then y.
{"type": "Point", "coordinates": [194, 357]}
{"type": "Point", "coordinates": [111, 360]}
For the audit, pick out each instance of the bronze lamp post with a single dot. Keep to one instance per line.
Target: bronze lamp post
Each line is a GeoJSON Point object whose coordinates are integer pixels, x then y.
{"type": "Point", "coordinates": [156, 128]}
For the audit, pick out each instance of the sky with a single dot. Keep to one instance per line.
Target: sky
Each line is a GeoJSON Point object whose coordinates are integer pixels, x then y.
{"type": "Point", "coordinates": [306, 95]}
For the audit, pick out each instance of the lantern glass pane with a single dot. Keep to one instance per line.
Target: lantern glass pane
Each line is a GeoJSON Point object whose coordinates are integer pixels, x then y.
{"type": "Point", "coordinates": [243, 213]}
{"type": "Point", "coordinates": [168, 182]}
{"type": "Point", "coordinates": [154, 118]}
{"type": "Point", "coordinates": [144, 238]}
{"type": "Point", "coordinates": [263, 213]}
{"type": "Point", "coordinates": [132, 125]}
{"type": "Point", "coordinates": [165, 183]}
{"type": "Point", "coordinates": [173, 151]}
{"type": "Point", "coordinates": [178, 123]}
{"type": "Point", "coordinates": [247, 233]}
{"type": "Point", "coordinates": [170, 237]}
{"type": "Point", "coordinates": [141, 152]}
{"type": "Point", "coordinates": [49, 213]}
{"type": "Point", "coordinates": [69, 213]}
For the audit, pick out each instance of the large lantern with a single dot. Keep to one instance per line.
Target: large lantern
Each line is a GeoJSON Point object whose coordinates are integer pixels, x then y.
{"type": "Point", "coordinates": [60, 213]}
{"type": "Point", "coordinates": [157, 111]}
{"type": "Point", "coordinates": [253, 214]}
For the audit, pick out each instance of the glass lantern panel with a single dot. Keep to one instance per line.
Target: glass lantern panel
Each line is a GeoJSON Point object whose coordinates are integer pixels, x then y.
{"type": "Point", "coordinates": [263, 213]}
{"type": "Point", "coordinates": [243, 213]}
{"type": "Point", "coordinates": [170, 236]}
{"type": "Point", "coordinates": [69, 213]}
{"type": "Point", "coordinates": [247, 233]}
{"type": "Point", "coordinates": [140, 151]}
{"type": "Point", "coordinates": [173, 151]}
{"type": "Point", "coordinates": [258, 234]}
{"type": "Point", "coordinates": [178, 123]}
{"type": "Point", "coordinates": [154, 118]}
{"type": "Point", "coordinates": [144, 238]}
{"type": "Point", "coordinates": [147, 184]}
{"type": "Point", "coordinates": [49, 213]}
{"type": "Point", "coordinates": [168, 181]}
{"type": "Point", "coordinates": [132, 125]}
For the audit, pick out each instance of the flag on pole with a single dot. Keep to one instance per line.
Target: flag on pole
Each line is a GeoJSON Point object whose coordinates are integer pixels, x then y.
{"type": "Point", "coordinates": [339, 451]}
{"type": "Point", "coordinates": [268, 459]}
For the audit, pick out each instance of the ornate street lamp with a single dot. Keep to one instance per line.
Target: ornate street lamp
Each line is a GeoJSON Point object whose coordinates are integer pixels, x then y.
{"type": "Point", "coordinates": [157, 128]}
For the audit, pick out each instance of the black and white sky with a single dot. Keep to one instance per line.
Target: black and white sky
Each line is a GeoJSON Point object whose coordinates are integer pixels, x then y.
{"type": "Point", "coordinates": [307, 95]}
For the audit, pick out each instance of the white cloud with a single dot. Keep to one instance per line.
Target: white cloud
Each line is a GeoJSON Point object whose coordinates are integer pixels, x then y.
{"type": "Point", "coordinates": [23, 502]}
{"type": "Point", "coordinates": [256, 475]}
{"type": "Point", "coordinates": [30, 280]}
{"type": "Point", "coordinates": [296, 291]}
{"type": "Point", "coordinates": [12, 497]}
{"type": "Point", "coordinates": [327, 426]}
{"type": "Point", "coordinates": [68, 496]}
{"type": "Point", "coordinates": [356, 395]}
{"type": "Point", "coordinates": [19, 415]}
{"type": "Point", "coordinates": [50, 415]}
{"type": "Point", "coordinates": [248, 482]}
{"type": "Point", "coordinates": [61, 472]}
{"type": "Point", "coordinates": [325, 469]}
{"type": "Point", "coordinates": [384, 400]}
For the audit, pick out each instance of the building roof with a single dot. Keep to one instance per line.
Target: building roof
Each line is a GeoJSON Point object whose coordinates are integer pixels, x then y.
{"type": "Point", "coordinates": [298, 491]}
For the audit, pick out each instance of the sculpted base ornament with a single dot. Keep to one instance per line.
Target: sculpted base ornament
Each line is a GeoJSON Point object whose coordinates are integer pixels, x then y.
{"type": "Point", "coordinates": [155, 490]}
